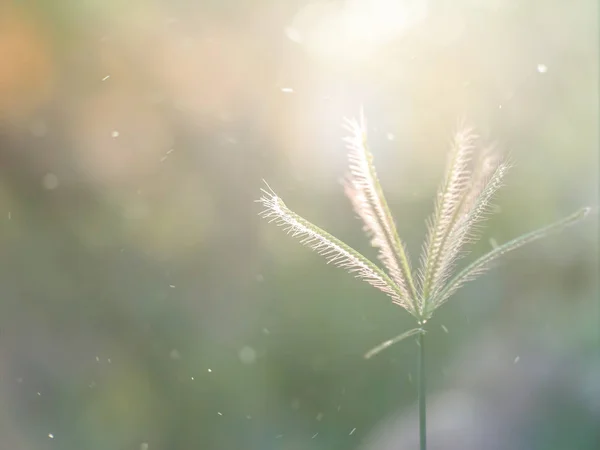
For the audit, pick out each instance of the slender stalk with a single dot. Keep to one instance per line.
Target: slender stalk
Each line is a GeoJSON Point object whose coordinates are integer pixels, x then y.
{"type": "Point", "coordinates": [422, 394]}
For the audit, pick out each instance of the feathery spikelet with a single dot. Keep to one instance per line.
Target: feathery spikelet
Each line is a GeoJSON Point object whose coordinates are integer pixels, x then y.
{"type": "Point", "coordinates": [364, 191]}
{"type": "Point", "coordinates": [448, 204]}
{"type": "Point", "coordinates": [488, 175]}
{"type": "Point", "coordinates": [462, 203]}
{"type": "Point", "coordinates": [484, 262]}
{"type": "Point", "coordinates": [334, 250]}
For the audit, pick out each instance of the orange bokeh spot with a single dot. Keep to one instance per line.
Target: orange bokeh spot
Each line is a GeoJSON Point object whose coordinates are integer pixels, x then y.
{"type": "Point", "coordinates": [27, 68]}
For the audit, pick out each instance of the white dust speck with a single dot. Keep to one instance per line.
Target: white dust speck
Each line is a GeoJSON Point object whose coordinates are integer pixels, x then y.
{"type": "Point", "coordinates": [108, 360]}
{"type": "Point", "coordinates": [167, 155]}
{"type": "Point", "coordinates": [97, 359]}
{"type": "Point", "coordinates": [542, 68]}
{"type": "Point", "coordinates": [172, 286]}
{"type": "Point", "coordinates": [249, 417]}
{"type": "Point", "coordinates": [50, 435]}
{"type": "Point", "coordinates": [209, 370]}
{"type": "Point", "coordinates": [410, 377]}
{"type": "Point", "coordinates": [174, 354]}
{"type": "Point", "coordinates": [9, 215]}
{"type": "Point", "coordinates": [50, 181]}
{"type": "Point", "coordinates": [266, 331]}
{"type": "Point", "coordinates": [444, 328]}
{"type": "Point", "coordinates": [287, 90]}
{"type": "Point", "coordinates": [319, 417]}
{"type": "Point", "coordinates": [144, 446]}
{"type": "Point", "coordinates": [499, 106]}
{"type": "Point", "coordinates": [339, 408]}
{"type": "Point", "coordinates": [219, 413]}
{"type": "Point", "coordinates": [39, 394]}
{"type": "Point", "coordinates": [192, 378]}
{"type": "Point", "coordinates": [352, 432]}
{"type": "Point", "coordinates": [516, 359]}
{"type": "Point", "coordinates": [391, 137]}
{"type": "Point", "coordinates": [315, 435]}
{"type": "Point", "coordinates": [247, 355]}
{"type": "Point", "coordinates": [106, 78]}
{"type": "Point", "coordinates": [115, 134]}
{"type": "Point", "coordinates": [293, 35]}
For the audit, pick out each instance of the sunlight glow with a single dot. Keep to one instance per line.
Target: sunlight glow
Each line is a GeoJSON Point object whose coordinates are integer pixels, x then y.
{"type": "Point", "coordinates": [354, 29]}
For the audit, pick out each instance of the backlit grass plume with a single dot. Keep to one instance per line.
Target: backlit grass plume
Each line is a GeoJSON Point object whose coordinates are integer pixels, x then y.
{"type": "Point", "coordinates": [463, 201]}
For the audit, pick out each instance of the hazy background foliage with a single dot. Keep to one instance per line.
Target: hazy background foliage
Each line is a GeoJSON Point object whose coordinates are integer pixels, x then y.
{"type": "Point", "coordinates": [146, 306]}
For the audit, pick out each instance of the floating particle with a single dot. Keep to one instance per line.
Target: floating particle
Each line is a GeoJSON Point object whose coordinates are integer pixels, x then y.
{"type": "Point", "coordinates": [106, 78]}
{"type": "Point", "coordinates": [293, 35]}
{"type": "Point", "coordinates": [444, 328]}
{"type": "Point", "coordinates": [167, 155]}
{"type": "Point", "coordinates": [516, 359]}
{"type": "Point", "coordinates": [542, 68]}
{"type": "Point", "coordinates": [97, 359]}
{"type": "Point", "coordinates": [249, 417]}
{"type": "Point", "coordinates": [50, 181]}
{"type": "Point", "coordinates": [352, 432]}
{"type": "Point", "coordinates": [493, 243]}
{"type": "Point", "coordinates": [315, 435]}
{"type": "Point", "coordinates": [144, 446]}
{"type": "Point", "coordinates": [266, 331]}
{"type": "Point", "coordinates": [50, 435]}
{"type": "Point", "coordinates": [219, 413]}
{"type": "Point", "coordinates": [287, 90]}
{"type": "Point", "coordinates": [174, 354]}
{"type": "Point", "coordinates": [391, 137]}
{"type": "Point", "coordinates": [319, 417]}
{"type": "Point", "coordinates": [115, 134]}
{"type": "Point", "coordinates": [209, 370]}
{"type": "Point", "coordinates": [172, 286]}
{"type": "Point", "coordinates": [192, 378]}
{"type": "Point", "coordinates": [247, 355]}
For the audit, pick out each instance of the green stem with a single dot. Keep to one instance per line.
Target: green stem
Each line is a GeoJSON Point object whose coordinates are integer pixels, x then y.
{"type": "Point", "coordinates": [422, 393]}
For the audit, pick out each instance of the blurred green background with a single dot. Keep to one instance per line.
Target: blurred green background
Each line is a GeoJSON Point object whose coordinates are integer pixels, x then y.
{"type": "Point", "coordinates": [146, 306]}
